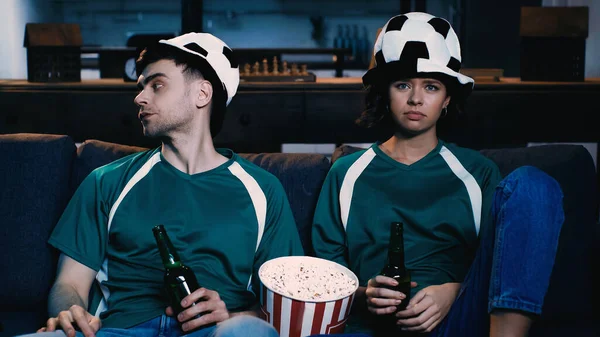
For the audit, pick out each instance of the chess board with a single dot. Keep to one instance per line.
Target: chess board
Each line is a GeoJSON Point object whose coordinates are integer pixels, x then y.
{"type": "Point", "coordinates": [275, 72]}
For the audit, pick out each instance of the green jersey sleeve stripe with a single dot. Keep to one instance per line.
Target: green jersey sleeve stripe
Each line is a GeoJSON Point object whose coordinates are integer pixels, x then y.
{"type": "Point", "coordinates": [141, 173]}
{"type": "Point", "coordinates": [473, 189]}
{"type": "Point", "coordinates": [350, 178]}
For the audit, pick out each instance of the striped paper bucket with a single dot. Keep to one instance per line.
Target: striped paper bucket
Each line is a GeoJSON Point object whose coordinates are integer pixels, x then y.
{"type": "Point", "coordinates": [293, 317]}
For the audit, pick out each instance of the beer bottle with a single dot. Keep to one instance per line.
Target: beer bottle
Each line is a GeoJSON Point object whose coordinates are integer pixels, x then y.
{"type": "Point", "coordinates": [395, 267]}
{"type": "Point", "coordinates": [180, 280]}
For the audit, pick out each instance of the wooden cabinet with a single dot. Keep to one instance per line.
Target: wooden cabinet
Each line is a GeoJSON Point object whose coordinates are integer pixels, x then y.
{"type": "Point", "coordinates": [263, 120]}
{"type": "Point", "coordinates": [263, 116]}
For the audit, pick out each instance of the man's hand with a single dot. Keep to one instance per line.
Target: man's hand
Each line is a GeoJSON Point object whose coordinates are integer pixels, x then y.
{"type": "Point", "coordinates": [428, 307]}
{"type": "Point", "coordinates": [76, 316]}
{"type": "Point", "coordinates": [381, 300]}
{"type": "Point", "coordinates": [208, 303]}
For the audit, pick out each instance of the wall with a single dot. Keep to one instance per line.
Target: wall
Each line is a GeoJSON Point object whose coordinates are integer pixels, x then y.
{"type": "Point", "coordinates": [112, 22]}
{"type": "Point", "coordinates": [489, 32]}
{"type": "Point", "coordinates": [16, 13]}
{"type": "Point", "coordinates": [245, 24]}
{"type": "Point", "coordinates": [270, 23]}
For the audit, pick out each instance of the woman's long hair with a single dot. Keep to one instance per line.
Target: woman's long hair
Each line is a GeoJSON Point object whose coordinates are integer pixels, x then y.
{"type": "Point", "coordinates": [377, 114]}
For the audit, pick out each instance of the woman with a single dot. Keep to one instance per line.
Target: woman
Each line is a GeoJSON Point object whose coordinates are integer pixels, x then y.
{"type": "Point", "coordinates": [480, 248]}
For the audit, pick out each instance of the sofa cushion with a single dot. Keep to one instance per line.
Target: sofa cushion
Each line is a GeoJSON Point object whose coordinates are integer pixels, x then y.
{"type": "Point", "coordinates": [92, 154]}
{"type": "Point", "coordinates": [569, 297]}
{"type": "Point", "coordinates": [300, 174]}
{"type": "Point", "coordinates": [34, 189]}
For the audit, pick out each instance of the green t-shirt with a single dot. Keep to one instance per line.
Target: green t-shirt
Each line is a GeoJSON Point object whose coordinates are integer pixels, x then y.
{"type": "Point", "coordinates": [444, 200]}
{"type": "Point", "coordinates": [224, 223]}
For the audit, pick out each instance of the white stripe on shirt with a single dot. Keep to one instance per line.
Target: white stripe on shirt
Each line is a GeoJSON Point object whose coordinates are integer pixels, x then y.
{"type": "Point", "coordinates": [259, 200]}
{"type": "Point", "coordinates": [470, 183]}
{"type": "Point", "coordinates": [347, 189]}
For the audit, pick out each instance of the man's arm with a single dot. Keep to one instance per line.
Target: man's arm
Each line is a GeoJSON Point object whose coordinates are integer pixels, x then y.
{"type": "Point", "coordinates": [71, 287]}
{"type": "Point", "coordinates": [68, 299]}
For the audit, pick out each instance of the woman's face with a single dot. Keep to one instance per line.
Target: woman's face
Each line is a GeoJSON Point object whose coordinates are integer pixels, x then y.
{"type": "Point", "coordinates": [416, 104]}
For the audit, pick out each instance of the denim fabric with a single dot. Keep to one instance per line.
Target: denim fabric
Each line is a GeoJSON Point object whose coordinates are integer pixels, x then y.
{"type": "Point", "coordinates": [164, 326]}
{"type": "Point", "coordinates": [514, 261]}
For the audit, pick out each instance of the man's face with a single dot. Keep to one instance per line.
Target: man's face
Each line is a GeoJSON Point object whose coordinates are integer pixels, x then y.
{"type": "Point", "coordinates": [166, 104]}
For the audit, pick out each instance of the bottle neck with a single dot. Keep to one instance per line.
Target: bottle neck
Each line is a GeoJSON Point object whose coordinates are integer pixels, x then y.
{"type": "Point", "coordinates": [167, 251]}
{"type": "Point", "coordinates": [396, 246]}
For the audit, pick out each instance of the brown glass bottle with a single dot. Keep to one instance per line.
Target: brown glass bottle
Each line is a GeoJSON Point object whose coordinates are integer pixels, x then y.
{"type": "Point", "coordinates": [385, 326]}
{"type": "Point", "coordinates": [394, 266]}
{"type": "Point", "coordinates": [179, 279]}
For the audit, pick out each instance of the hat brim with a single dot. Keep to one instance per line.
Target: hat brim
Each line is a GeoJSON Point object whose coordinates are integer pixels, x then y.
{"type": "Point", "coordinates": [458, 83]}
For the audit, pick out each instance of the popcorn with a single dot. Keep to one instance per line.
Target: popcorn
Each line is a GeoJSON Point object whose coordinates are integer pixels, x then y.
{"type": "Point", "coordinates": [303, 295]}
{"type": "Point", "coordinates": [305, 281]}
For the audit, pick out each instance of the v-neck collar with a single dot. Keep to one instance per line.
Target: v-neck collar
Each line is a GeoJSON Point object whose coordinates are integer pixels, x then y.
{"type": "Point", "coordinates": [379, 152]}
{"type": "Point", "coordinates": [229, 154]}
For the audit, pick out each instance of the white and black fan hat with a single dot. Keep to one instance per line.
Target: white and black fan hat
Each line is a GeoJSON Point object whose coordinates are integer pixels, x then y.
{"type": "Point", "coordinates": [218, 55]}
{"type": "Point", "coordinates": [418, 45]}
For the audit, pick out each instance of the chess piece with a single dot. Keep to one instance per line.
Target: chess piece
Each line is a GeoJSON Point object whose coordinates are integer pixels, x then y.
{"type": "Point", "coordinates": [247, 69]}
{"type": "Point", "coordinates": [265, 67]}
{"type": "Point", "coordinates": [275, 66]}
{"type": "Point", "coordinates": [255, 69]}
{"type": "Point", "coordinates": [303, 70]}
{"type": "Point", "coordinates": [294, 69]}
{"type": "Point", "coordinates": [284, 69]}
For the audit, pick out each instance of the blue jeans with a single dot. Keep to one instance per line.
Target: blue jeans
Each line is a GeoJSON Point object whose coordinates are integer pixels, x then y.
{"type": "Point", "coordinates": [164, 326]}
{"type": "Point", "coordinates": [514, 260]}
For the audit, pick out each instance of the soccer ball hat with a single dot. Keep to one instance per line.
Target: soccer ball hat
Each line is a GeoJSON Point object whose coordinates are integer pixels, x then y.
{"type": "Point", "coordinates": [216, 53]}
{"type": "Point", "coordinates": [418, 45]}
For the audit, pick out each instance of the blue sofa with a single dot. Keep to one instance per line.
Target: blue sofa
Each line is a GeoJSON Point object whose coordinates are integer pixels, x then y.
{"type": "Point", "coordinates": [39, 173]}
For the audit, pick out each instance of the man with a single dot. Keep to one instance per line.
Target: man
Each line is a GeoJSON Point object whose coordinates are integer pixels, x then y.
{"type": "Point", "coordinates": [225, 216]}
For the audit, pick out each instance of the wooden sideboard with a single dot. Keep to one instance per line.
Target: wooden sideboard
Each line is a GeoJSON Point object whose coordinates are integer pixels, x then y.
{"type": "Point", "coordinates": [263, 116]}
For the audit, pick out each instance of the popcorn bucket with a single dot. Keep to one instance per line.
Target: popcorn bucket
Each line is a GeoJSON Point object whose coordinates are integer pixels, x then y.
{"type": "Point", "coordinates": [291, 312]}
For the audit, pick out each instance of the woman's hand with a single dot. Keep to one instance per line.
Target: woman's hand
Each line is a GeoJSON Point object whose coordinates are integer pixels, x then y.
{"type": "Point", "coordinates": [428, 307]}
{"type": "Point", "coordinates": [380, 299]}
